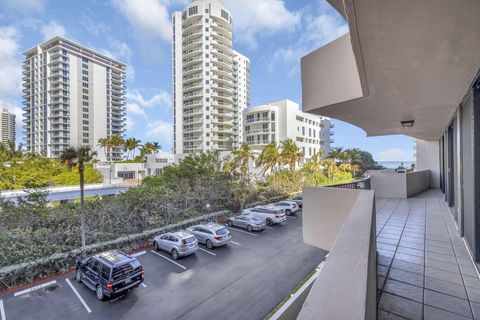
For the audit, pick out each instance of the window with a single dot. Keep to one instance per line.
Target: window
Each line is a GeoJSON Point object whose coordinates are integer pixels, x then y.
{"type": "Point", "coordinates": [85, 91]}
{"type": "Point", "coordinates": [105, 272]}
{"type": "Point", "coordinates": [85, 128]}
{"type": "Point", "coordinates": [85, 78]}
{"type": "Point", "coordinates": [85, 122]}
{"type": "Point", "coordinates": [303, 130]}
{"type": "Point", "coordinates": [85, 72]}
{"type": "Point", "coordinates": [85, 59]}
{"type": "Point", "coordinates": [85, 141]}
{"type": "Point", "coordinates": [84, 65]}
{"type": "Point", "coordinates": [85, 103]}
{"type": "Point", "coordinates": [192, 10]}
{"type": "Point", "coordinates": [85, 85]}
{"type": "Point", "coordinates": [85, 97]}
{"type": "Point", "coordinates": [85, 134]}
{"type": "Point", "coordinates": [224, 15]}
{"type": "Point", "coordinates": [85, 110]}
{"type": "Point", "coordinates": [85, 116]}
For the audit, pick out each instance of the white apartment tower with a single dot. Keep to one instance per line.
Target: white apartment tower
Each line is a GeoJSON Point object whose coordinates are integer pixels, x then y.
{"type": "Point", "coordinates": [7, 126]}
{"type": "Point", "coordinates": [281, 120]}
{"type": "Point", "coordinates": [210, 80]}
{"type": "Point", "coordinates": [73, 96]}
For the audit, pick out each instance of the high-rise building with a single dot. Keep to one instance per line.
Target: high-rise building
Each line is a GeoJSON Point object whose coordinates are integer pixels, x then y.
{"type": "Point", "coordinates": [210, 80]}
{"type": "Point", "coordinates": [281, 120]}
{"type": "Point", "coordinates": [73, 96]}
{"type": "Point", "coordinates": [7, 126]}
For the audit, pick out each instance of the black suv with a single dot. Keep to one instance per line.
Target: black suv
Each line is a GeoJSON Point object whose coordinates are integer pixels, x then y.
{"type": "Point", "coordinates": [109, 273]}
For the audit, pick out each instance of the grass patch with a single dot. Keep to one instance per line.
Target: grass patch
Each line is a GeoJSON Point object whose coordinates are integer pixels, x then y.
{"type": "Point", "coordinates": [285, 299]}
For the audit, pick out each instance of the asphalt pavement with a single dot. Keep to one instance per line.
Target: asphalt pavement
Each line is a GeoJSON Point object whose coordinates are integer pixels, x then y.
{"type": "Point", "coordinates": [242, 280]}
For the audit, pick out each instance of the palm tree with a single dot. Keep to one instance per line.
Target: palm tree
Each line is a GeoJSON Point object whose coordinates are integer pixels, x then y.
{"type": "Point", "coordinates": [104, 143]}
{"type": "Point", "coordinates": [156, 146]}
{"type": "Point", "coordinates": [291, 153]}
{"type": "Point", "coordinates": [130, 145]}
{"type": "Point", "coordinates": [79, 157]}
{"type": "Point", "coordinates": [270, 157]}
{"type": "Point", "coordinates": [116, 141]}
{"type": "Point", "coordinates": [241, 158]}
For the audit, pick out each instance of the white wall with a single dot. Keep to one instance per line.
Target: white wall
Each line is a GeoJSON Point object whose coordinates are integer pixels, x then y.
{"type": "Point", "coordinates": [98, 108]}
{"type": "Point", "coordinates": [428, 158]}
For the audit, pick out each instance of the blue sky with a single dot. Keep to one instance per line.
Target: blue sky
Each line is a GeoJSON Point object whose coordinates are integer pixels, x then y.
{"type": "Point", "coordinates": [273, 34]}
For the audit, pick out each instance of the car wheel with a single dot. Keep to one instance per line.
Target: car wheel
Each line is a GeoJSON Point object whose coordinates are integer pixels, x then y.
{"type": "Point", "coordinates": [250, 228]}
{"type": "Point", "coordinates": [99, 292]}
{"type": "Point", "coordinates": [155, 245]}
{"type": "Point", "coordinates": [269, 222]}
{"type": "Point", "coordinates": [288, 212]}
{"type": "Point", "coordinates": [209, 244]}
{"type": "Point", "coordinates": [230, 223]}
{"type": "Point", "coordinates": [175, 254]}
{"type": "Point", "coordinates": [78, 275]}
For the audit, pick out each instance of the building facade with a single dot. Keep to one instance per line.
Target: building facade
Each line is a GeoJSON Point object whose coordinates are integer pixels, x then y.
{"type": "Point", "coordinates": [73, 96]}
{"type": "Point", "coordinates": [281, 120]}
{"type": "Point", "coordinates": [7, 126]}
{"type": "Point", "coordinates": [210, 80]}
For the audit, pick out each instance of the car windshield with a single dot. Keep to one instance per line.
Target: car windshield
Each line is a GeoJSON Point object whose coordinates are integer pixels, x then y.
{"type": "Point", "coordinates": [256, 219]}
{"type": "Point", "coordinates": [188, 240]}
{"type": "Point", "coordinates": [222, 232]}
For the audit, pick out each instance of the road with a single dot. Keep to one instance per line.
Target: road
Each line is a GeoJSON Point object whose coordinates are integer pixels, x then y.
{"type": "Point", "coordinates": [243, 280]}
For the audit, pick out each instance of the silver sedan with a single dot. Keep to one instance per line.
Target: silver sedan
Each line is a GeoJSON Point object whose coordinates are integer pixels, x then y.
{"type": "Point", "coordinates": [251, 223]}
{"type": "Point", "coordinates": [178, 244]}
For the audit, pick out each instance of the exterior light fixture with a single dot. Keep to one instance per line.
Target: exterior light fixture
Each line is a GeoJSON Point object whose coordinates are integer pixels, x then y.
{"type": "Point", "coordinates": [408, 123]}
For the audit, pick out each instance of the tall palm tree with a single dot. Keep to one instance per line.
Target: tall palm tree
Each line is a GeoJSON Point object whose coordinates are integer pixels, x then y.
{"type": "Point", "coordinates": [156, 147]}
{"type": "Point", "coordinates": [130, 145]}
{"type": "Point", "coordinates": [104, 143]}
{"type": "Point", "coordinates": [116, 141]}
{"type": "Point", "coordinates": [291, 153]}
{"type": "Point", "coordinates": [270, 157]}
{"type": "Point", "coordinates": [241, 158]}
{"type": "Point", "coordinates": [78, 157]}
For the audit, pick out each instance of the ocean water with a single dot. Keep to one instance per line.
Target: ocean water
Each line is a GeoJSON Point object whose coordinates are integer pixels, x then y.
{"type": "Point", "coordinates": [395, 164]}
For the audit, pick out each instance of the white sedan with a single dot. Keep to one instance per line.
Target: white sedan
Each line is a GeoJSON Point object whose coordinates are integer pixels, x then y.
{"type": "Point", "coordinates": [289, 207]}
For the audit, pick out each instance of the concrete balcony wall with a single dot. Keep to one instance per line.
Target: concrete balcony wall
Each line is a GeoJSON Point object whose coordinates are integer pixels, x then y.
{"type": "Point", "coordinates": [343, 222]}
{"type": "Point", "coordinates": [391, 184]}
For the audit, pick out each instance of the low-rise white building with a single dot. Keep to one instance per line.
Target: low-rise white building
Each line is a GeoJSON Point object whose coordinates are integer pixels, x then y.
{"type": "Point", "coordinates": [281, 120]}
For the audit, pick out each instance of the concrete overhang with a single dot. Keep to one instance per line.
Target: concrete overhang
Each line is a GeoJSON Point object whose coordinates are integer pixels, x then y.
{"type": "Point", "coordinates": [402, 60]}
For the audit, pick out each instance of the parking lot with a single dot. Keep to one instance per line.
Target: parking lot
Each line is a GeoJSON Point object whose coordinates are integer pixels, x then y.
{"type": "Point", "coordinates": [242, 280]}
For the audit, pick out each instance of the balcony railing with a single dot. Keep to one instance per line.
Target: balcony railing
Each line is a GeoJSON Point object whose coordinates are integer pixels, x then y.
{"type": "Point", "coordinates": [361, 184]}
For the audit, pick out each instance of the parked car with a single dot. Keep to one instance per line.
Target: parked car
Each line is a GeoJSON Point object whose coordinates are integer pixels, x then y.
{"type": "Point", "coordinates": [298, 200]}
{"type": "Point", "coordinates": [249, 222]}
{"type": "Point", "coordinates": [179, 243]}
{"type": "Point", "coordinates": [211, 234]}
{"type": "Point", "coordinates": [270, 215]}
{"type": "Point", "coordinates": [289, 207]}
{"type": "Point", "coordinates": [109, 273]}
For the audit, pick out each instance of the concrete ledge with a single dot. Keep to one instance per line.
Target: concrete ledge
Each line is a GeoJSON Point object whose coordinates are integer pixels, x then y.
{"type": "Point", "coordinates": [391, 184]}
{"type": "Point", "coordinates": [346, 287]}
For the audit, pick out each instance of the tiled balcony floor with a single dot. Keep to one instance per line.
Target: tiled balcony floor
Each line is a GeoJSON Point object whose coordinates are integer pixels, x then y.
{"type": "Point", "coordinates": [424, 270]}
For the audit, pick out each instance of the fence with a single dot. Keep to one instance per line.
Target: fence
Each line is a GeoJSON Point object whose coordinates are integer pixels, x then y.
{"type": "Point", "coordinates": [363, 184]}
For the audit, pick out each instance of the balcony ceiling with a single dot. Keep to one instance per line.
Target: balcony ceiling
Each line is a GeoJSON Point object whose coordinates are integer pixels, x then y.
{"type": "Point", "coordinates": [403, 60]}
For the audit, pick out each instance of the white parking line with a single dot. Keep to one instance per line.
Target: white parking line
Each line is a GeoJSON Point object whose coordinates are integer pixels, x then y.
{"type": "Point", "coordinates": [79, 296]}
{"type": "Point", "coordinates": [235, 242]}
{"type": "Point", "coordinates": [161, 255]}
{"type": "Point", "coordinates": [2, 311]}
{"type": "Point", "coordinates": [213, 254]}
{"type": "Point", "coordinates": [292, 217]}
{"type": "Point", "coordinates": [138, 254]}
{"type": "Point", "coordinates": [254, 235]}
{"type": "Point", "coordinates": [269, 228]}
{"type": "Point", "coordinates": [143, 285]}
{"type": "Point", "coordinates": [40, 286]}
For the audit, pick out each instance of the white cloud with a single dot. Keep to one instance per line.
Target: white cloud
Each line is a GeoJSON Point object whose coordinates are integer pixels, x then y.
{"type": "Point", "coordinates": [52, 29]}
{"type": "Point", "coordinates": [122, 52]}
{"type": "Point", "coordinates": [162, 98]}
{"type": "Point", "coordinates": [251, 17]}
{"type": "Point", "coordinates": [149, 19]}
{"type": "Point", "coordinates": [25, 6]}
{"type": "Point", "coordinates": [317, 30]}
{"type": "Point", "coordinates": [136, 110]}
{"type": "Point", "coordinates": [129, 123]}
{"type": "Point", "coordinates": [394, 154]}
{"type": "Point", "coordinates": [160, 131]}
{"type": "Point", "coordinates": [10, 66]}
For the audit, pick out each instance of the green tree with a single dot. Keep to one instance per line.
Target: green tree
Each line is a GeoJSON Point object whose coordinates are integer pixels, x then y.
{"type": "Point", "coordinates": [270, 157]}
{"type": "Point", "coordinates": [242, 157]}
{"type": "Point", "coordinates": [105, 144]}
{"type": "Point", "coordinates": [79, 157]}
{"type": "Point", "coordinates": [291, 153]}
{"type": "Point", "coordinates": [131, 144]}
